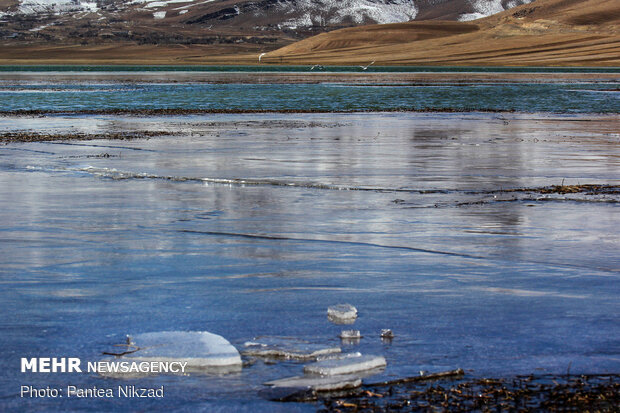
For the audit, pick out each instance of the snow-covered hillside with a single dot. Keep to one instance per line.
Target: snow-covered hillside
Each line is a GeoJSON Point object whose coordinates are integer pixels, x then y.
{"type": "Point", "coordinates": [250, 22]}
{"type": "Point", "coordinates": [56, 6]}
{"type": "Point", "coordinates": [331, 12]}
{"type": "Point", "coordinates": [484, 8]}
{"type": "Point", "coordinates": [294, 13]}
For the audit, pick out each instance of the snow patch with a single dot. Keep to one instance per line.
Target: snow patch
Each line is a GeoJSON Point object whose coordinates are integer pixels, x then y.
{"type": "Point", "coordinates": [159, 14]}
{"type": "Point", "coordinates": [155, 4]}
{"type": "Point", "coordinates": [194, 4]}
{"type": "Point", "coordinates": [515, 3]}
{"type": "Point", "coordinates": [36, 29]}
{"type": "Point", "coordinates": [303, 21]}
{"type": "Point", "coordinates": [56, 6]}
{"type": "Point", "coordinates": [322, 12]}
{"type": "Point", "coordinates": [482, 8]}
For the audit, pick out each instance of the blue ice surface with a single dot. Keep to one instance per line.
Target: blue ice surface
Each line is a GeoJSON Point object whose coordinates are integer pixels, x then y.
{"type": "Point", "coordinates": [384, 211]}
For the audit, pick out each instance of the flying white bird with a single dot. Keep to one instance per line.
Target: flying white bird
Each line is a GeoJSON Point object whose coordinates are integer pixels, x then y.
{"type": "Point", "coordinates": [366, 67]}
{"type": "Point", "coordinates": [260, 56]}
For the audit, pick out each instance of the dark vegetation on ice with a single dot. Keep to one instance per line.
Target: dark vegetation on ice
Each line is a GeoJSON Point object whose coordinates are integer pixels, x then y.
{"type": "Point", "coordinates": [600, 393]}
{"type": "Point", "coordinates": [8, 137]}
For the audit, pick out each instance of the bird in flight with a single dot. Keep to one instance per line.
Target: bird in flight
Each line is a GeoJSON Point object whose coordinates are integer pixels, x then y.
{"type": "Point", "coordinates": [260, 56]}
{"type": "Point", "coordinates": [366, 67]}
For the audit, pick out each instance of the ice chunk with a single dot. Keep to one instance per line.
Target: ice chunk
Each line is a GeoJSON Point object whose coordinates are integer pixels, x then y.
{"type": "Point", "coordinates": [350, 337]}
{"type": "Point", "coordinates": [345, 366]}
{"type": "Point", "coordinates": [286, 348]}
{"type": "Point", "coordinates": [288, 394]}
{"type": "Point", "coordinates": [339, 356]}
{"type": "Point", "coordinates": [318, 383]}
{"type": "Point", "coordinates": [350, 334]}
{"type": "Point", "coordinates": [203, 351]}
{"type": "Point", "coordinates": [342, 314]}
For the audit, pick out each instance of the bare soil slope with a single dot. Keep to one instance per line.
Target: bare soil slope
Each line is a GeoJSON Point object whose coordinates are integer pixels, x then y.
{"type": "Point", "coordinates": [545, 33]}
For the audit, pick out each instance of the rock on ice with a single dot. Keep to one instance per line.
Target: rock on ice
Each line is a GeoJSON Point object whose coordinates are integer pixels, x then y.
{"type": "Point", "coordinates": [386, 333]}
{"type": "Point", "coordinates": [345, 365]}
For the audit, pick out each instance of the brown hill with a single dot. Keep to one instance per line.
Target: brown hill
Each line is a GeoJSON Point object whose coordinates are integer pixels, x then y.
{"type": "Point", "coordinates": [545, 32]}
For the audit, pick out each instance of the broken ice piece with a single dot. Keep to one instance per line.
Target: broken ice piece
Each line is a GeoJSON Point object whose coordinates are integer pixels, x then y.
{"type": "Point", "coordinates": [318, 383]}
{"type": "Point", "coordinates": [288, 394]}
{"type": "Point", "coordinates": [345, 366]}
{"type": "Point", "coordinates": [339, 356]}
{"type": "Point", "coordinates": [286, 348]}
{"type": "Point", "coordinates": [387, 334]}
{"type": "Point", "coordinates": [342, 314]}
{"type": "Point", "coordinates": [201, 350]}
{"type": "Point", "coordinates": [350, 335]}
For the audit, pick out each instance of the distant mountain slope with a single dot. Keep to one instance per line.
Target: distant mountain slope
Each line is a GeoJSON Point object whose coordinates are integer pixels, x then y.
{"type": "Point", "coordinates": [543, 32]}
{"type": "Point", "coordinates": [464, 10]}
{"type": "Point", "coordinates": [295, 18]}
{"type": "Point", "coordinates": [547, 32]}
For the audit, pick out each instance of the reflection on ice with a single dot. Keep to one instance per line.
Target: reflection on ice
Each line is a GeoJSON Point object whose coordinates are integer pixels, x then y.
{"type": "Point", "coordinates": [530, 293]}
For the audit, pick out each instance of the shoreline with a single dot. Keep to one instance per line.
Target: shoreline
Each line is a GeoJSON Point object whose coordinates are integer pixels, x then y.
{"type": "Point", "coordinates": [189, 112]}
{"type": "Point", "coordinates": [270, 77]}
{"type": "Point", "coordinates": [183, 112]}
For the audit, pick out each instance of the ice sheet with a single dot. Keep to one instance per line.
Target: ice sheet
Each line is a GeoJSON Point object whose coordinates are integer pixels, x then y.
{"type": "Point", "coordinates": [345, 366]}
{"type": "Point", "coordinates": [287, 348]}
{"type": "Point", "coordinates": [319, 383]}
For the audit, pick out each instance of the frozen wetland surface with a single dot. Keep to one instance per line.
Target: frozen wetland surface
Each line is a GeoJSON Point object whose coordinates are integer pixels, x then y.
{"type": "Point", "coordinates": [250, 225]}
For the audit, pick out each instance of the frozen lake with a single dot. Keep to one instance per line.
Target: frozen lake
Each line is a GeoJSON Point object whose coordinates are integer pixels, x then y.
{"type": "Point", "coordinates": [251, 225]}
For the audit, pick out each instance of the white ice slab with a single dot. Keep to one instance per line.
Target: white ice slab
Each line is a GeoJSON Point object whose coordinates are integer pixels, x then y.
{"type": "Point", "coordinates": [201, 350]}
{"type": "Point", "coordinates": [318, 383]}
{"type": "Point", "coordinates": [348, 365]}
